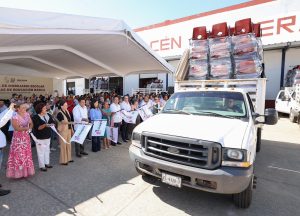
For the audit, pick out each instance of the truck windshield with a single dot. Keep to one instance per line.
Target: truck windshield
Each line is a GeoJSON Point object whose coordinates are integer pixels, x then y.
{"type": "Point", "coordinates": [216, 103]}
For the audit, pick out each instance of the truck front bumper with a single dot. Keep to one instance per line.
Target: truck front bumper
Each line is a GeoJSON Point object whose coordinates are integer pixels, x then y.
{"type": "Point", "coordinates": [225, 180]}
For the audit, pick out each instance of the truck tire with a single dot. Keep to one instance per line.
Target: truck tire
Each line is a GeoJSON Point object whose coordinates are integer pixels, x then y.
{"type": "Point", "coordinates": [243, 199]}
{"type": "Point", "coordinates": [292, 117]}
{"type": "Point", "coordinates": [258, 140]}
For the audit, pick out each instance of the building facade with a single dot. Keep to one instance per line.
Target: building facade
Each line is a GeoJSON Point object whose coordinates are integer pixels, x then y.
{"type": "Point", "coordinates": [280, 24]}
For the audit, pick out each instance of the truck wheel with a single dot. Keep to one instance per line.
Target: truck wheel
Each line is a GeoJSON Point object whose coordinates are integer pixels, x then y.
{"type": "Point", "coordinates": [258, 140]}
{"type": "Point", "coordinates": [243, 199]}
{"type": "Point", "coordinates": [293, 118]}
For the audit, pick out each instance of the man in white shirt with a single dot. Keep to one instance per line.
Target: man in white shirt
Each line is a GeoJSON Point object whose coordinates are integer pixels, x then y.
{"type": "Point", "coordinates": [116, 119]}
{"type": "Point", "coordinates": [147, 102]}
{"type": "Point", "coordinates": [125, 105]}
{"type": "Point", "coordinates": [5, 116]}
{"type": "Point", "coordinates": [156, 105]}
{"type": "Point", "coordinates": [80, 115]}
{"type": "Point", "coordinates": [164, 100]}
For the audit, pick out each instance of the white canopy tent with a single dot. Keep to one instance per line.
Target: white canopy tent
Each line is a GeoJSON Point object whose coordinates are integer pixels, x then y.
{"type": "Point", "coordinates": [53, 45]}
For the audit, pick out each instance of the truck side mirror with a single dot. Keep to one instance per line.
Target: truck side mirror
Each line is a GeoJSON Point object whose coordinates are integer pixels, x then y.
{"type": "Point", "coordinates": [271, 116]}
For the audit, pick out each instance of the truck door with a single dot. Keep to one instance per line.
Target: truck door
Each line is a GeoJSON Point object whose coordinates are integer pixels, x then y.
{"type": "Point", "coordinates": [282, 102]}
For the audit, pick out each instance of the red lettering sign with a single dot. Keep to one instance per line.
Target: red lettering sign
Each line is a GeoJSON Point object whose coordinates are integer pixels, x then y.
{"type": "Point", "coordinates": [177, 43]}
{"type": "Point", "coordinates": [164, 44]}
{"type": "Point", "coordinates": [151, 45]}
{"type": "Point", "coordinates": [285, 26]}
{"type": "Point", "coordinates": [266, 28]}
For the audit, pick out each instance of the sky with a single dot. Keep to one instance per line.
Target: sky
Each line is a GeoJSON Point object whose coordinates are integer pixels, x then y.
{"type": "Point", "coordinates": [136, 13]}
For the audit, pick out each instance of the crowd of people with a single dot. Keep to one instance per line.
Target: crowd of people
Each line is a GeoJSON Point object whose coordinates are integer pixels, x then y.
{"type": "Point", "coordinates": [28, 122]}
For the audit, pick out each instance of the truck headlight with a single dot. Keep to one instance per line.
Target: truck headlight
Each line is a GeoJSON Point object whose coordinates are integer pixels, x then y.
{"type": "Point", "coordinates": [235, 157]}
{"type": "Point", "coordinates": [234, 154]}
{"type": "Point", "coordinates": [136, 139]}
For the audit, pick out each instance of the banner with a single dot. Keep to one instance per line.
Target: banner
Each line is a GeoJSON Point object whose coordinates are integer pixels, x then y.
{"type": "Point", "coordinates": [34, 138]}
{"type": "Point", "coordinates": [99, 128]}
{"type": "Point", "coordinates": [54, 129]}
{"type": "Point", "coordinates": [81, 132]}
{"type": "Point", "coordinates": [112, 134]}
{"type": "Point", "coordinates": [129, 117]}
{"type": "Point", "coordinates": [145, 113]}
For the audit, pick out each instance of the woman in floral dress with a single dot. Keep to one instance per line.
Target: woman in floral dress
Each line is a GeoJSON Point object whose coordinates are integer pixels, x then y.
{"type": "Point", "coordinates": [20, 162]}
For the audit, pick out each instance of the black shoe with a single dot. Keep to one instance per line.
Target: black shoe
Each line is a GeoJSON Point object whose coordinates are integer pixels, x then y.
{"type": "Point", "coordinates": [65, 164]}
{"type": "Point", "coordinates": [48, 166]}
{"type": "Point", "coordinates": [71, 161]}
{"type": "Point", "coordinates": [78, 155]}
{"type": "Point", "coordinates": [84, 153]}
{"type": "Point", "coordinates": [124, 140]}
{"type": "Point", "coordinates": [113, 144]}
{"type": "Point", "coordinates": [0, 185]}
{"type": "Point", "coordinates": [43, 169]}
{"type": "Point", "coordinates": [119, 143]}
{"type": "Point", "coordinates": [4, 192]}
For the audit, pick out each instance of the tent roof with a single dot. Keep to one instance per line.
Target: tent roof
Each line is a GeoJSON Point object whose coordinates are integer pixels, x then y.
{"type": "Point", "coordinates": [64, 46]}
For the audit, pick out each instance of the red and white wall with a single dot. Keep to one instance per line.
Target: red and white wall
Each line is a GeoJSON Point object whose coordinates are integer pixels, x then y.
{"type": "Point", "coordinates": [280, 23]}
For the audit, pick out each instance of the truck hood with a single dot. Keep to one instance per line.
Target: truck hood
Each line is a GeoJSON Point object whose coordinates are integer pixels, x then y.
{"type": "Point", "coordinates": [227, 132]}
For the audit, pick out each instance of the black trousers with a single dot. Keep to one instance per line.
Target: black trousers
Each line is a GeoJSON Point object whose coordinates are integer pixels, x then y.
{"type": "Point", "coordinates": [124, 130]}
{"type": "Point", "coordinates": [79, 148]}
{"type": "Point", "coordinates": [96, 143]}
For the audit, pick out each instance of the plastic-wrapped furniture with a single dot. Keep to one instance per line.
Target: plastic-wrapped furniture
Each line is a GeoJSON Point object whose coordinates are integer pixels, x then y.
{"type": "Point", "coordinates": [243, 26]}
{"type": "Point", "coordinates": [199, 33]}
{"type": "Point", "coordinates": [221, 68]}
{"type": "Point", "coordinates": [247, 67]}
{"type": "Point", "coordinates": [219, 30]}
{"type": "Point", "coordinates": [246, 44]}
{"type": "Point", "coordinates": [198, 69]}
{"type": "Point", "coordinates": [219, 47]}
{"type": "Point", "coordinates": [257, 30]}
{"type": "Point", "coordinates": [199, 49]}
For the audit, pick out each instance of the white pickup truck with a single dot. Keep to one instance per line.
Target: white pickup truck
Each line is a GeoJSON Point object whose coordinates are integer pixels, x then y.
{"type": "Point", "coordinates": [206, 137]}
{"type": "Point", "coordinates": [288, 102]}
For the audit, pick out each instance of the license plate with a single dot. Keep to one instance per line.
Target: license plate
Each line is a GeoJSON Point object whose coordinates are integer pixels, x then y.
{"type": "Point", "coordinates": [171, 180]}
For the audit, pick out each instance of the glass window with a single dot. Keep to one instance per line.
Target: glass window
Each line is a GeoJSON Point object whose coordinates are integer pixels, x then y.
{"type": "Point", "coordinates": [281, 95]}
{"type": "Point", "coordinates": [228, 104]}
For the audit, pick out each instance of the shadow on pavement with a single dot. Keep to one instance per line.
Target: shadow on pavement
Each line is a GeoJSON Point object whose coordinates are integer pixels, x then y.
{"type": "Point", "coordinates": [62, 188]}
{"type": "Point", "coordinates": [277, 193]}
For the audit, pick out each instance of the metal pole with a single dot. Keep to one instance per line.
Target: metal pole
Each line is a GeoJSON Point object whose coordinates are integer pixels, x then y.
{"type": "Point", "coordinates": [283, 52]}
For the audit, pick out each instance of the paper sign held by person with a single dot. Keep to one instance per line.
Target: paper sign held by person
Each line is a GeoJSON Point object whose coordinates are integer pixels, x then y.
{"type": "Point", "coordinates": [99, 128]}
{"type": "Point", "coordinates": [112, 134]}
{"type": "Point", "coordinates": [129, 117]}
{"type": "Point", "coordinates": [81, 133]}
{"type": "Point", "coordinates": [145, 112]}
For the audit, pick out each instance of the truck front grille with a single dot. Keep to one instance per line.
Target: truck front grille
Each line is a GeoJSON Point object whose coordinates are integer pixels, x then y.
{"type": "Point", "coordinates": [190, 152]}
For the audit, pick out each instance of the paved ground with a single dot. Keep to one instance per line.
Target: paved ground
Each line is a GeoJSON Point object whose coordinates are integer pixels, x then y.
{"type": "Point", "coordinates": [106, 184]}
